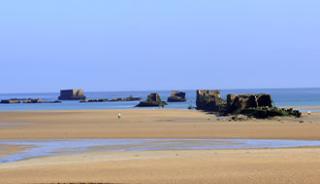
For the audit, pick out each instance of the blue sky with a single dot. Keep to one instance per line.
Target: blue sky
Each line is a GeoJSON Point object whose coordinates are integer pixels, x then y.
{"type": "Point", "coordinates": [107, 45]}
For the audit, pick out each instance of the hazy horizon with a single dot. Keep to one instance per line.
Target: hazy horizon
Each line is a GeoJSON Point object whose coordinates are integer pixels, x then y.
{"type": "Point", "coordinates": [158, 45]}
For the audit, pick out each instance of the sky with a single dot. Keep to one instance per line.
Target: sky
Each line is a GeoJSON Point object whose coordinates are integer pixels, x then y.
{"type": "Point", "coordinates": [115, 45]}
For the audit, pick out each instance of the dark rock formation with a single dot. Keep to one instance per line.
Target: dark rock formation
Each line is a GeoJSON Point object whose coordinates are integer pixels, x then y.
{"type": "Point", "coordinates": [210, 100]}
{"type": "Point", "coordinates": [264, 100]}
{"type": "Point", "coordinates": [251, 105]}
{"type": "Point", "coordinates": [131, 98]}
{"type": "Point", "coordinates": [267, 112]}
{"type": "Point", "coordinates": [36, 100]}
{"type": "Point", "coordinates": [55, 101]}
{"type": "Point", "coordinates": [237, 103]}
{"type": "Point", "coordinates": [239, 117]}
{"type": "Point", "coordinates": [72, 94]}
{"type": "Point", "coordinates": [177, 96]}
{"type": "Point", "coordinates": [257, 106]}
{"type": "Point", "coordinates": [10, 101]}
{"type": "Point", "coordinates": [116, 100]}
{"type": "Point", "coordinates": [94, 100]}
{"type": "Point", "coordinates": [153, 100]}
{"type": "Point", "coordinates": [127, 99]}
{"type": "Point", "coordinates": [26, 101]}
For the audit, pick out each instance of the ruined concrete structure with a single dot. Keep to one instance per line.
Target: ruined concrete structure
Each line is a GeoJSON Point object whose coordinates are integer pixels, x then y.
{"type": "Point", "coordinates": [153, 100]}
{"type": "Point", "coordinates": [237, 103]}
{"type": "Point", "coordinates": [252, 105]}
{"type": "Point", "coordinates": [209, 100]}
{"type": "Point", "coordinates": [177, 96]}
{"type": "Point", "coordinates": [72, 94]}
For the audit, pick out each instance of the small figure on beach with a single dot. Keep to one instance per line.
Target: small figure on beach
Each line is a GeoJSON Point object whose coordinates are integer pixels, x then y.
{"type": "Point", "coordinates": [119, 115]}
{"type": "Point", "coordinates": [309, 113]}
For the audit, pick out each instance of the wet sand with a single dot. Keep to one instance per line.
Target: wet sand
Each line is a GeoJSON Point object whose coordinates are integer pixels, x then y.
{"type": "Point", "coordinates": [283, 166]}
{"type": "Point", "coordinates": [51, 148]}
{"type": "Point", "coordinates": [10, 149]}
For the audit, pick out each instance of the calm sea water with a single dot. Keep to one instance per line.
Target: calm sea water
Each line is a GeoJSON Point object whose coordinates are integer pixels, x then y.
{"type": "Point", "coordinates": [281, 97]}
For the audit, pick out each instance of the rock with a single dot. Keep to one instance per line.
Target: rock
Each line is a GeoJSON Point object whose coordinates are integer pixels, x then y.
{"type": "Point", "coordinates": [10, 101]}
{"type": "Point", "coordinates": [177, 96]}
{"type": "Point", "coordinates": [264, 100]}
{"type": "Point", "coordinates": [251, 105]}
{"type": "Point", "coordinates": [237, 103]}
{"type": "Point", "coordinates": [37, 100]}
{"type": "Point", "coordinates": [55, 101]}
{"type": "Point", "coordinates": [127, 99]}
{"type": "Point", "coordinates": [116, 100]}
{"type": "Point", "coordinates": [72, 94]}
{"type": "Point", "coordinates": [30, 100]}
{"type": "Point", "coordinates": [94, 100]}
{"type": "Point", "coordinates": [257, 106]}
{"type": "Point", "coordinates": [153, 100]}
{"type": "Point", "coordinates": [131, 98]}
{"type": "Point", "coordinates": [27, 101]}
{"type": "Point", "coordinates": [210, 100]}
{"type": "Point", "coordinates": [239, 117]}
{"type": "Point", "coordinates": [268, 112]}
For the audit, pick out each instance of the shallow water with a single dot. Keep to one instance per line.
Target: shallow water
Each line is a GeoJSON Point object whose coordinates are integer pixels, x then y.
{"type": "Point", "coordinates": [61, 147]}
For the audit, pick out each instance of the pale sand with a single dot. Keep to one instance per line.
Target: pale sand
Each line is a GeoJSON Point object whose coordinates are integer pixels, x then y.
{"type": "Point", "coordinates": [150, 124]}
{"type": "Point", "coordinates": [186, 167]}
{"type": "Point", "coordinates": [279, 166]}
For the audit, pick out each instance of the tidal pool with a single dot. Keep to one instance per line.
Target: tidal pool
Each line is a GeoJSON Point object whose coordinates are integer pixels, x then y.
{"type": "Point", "coordinates": [42, 148]}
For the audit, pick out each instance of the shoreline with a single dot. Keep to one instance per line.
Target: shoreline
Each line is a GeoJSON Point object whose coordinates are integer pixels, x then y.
{"type": "Point", "coordinates": [20, 150]}
{"type": "Point", "coordinates": [7, 149]}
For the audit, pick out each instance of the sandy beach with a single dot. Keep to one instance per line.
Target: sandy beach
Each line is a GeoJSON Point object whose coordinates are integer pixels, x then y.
{"type": "Point", "coordinates": [293, 165]}
{"type": "Point", "coordinates": [159, 92]}
{"type": "Point", "coordinates": [280, 166]}
{"type": "Point", "coordinates": [150, 124]}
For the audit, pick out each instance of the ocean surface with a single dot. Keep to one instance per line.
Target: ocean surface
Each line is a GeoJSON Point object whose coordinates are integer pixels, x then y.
{"type": "Point", "coordinates": [281, 97]}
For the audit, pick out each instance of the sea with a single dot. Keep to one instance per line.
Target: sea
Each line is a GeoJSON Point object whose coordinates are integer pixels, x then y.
{"type": "Point", "coordinates": [281, 97]}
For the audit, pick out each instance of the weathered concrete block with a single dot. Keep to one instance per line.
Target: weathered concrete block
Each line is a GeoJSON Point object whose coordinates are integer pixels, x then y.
{"type": "Point", "coordinates": [177, 96]}
{"type": "Point", "coordinates": [209, 100]}
{"type": "Point", "coordinates": [72, 94]}
{"type": "Point", "coordinates": [153, 100]}
{"type": "Point", "coordinates": [237, 103]}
